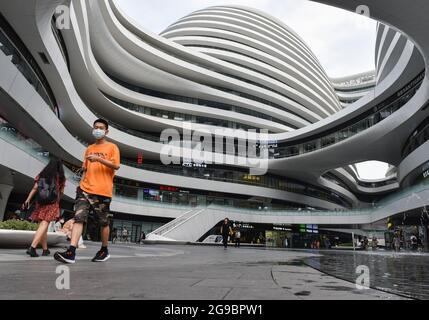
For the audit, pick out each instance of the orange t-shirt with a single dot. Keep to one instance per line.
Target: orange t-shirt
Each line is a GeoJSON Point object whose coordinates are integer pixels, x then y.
{"type": "Point", "coordinates": [98, 178]}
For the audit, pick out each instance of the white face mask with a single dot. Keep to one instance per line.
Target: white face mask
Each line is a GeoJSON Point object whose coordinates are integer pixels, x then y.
{"type": "Point", "coordinates": [99, 133]}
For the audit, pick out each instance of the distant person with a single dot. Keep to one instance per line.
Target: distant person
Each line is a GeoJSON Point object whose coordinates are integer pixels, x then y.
{"type": "Point", "coordinates": [226, 231]}
{"type": "Point", "coordinates": [102, 160]}
{"type": "Point", "coordinates": [48, 188]}
{"type": "Point", "coordinates": [365, 243]}
{"type": "Point", "coordinates": [397, 243]}
{"type": "Point", "coordinates": [237, 238]}
{"type": "Point", "coordinates": [67, 230]}
{"type": "Point", "coordinates": [286, 243]}
{"type": "Point", "coordinates": [58, 225]}
{"type": "Point", "coordinates": [327, 243]}
{"type": "Point", "coordinates": [125, 235]}
{"type": "Point", "coordinates": [114, 235]}
{"type": "Point", "coordinates": [142, 237]}
{"type": "Point", "coordinates": [414, 243]}
{"type": "Point", "coordinates": [374, 243]}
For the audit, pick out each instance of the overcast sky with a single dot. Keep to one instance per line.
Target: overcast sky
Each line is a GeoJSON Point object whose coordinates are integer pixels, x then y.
{"type": "Point", "coordinates": [343, 42]}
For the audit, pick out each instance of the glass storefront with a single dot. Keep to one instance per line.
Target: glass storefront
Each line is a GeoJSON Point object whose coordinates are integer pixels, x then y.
{"type": "Point", "coordinates": [134, 229]}
{"type": "Point", "coordinates": [286, 236]}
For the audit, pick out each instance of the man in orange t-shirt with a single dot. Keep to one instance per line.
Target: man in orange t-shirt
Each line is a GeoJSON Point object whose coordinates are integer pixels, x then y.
{"type": "Point", "coordinates": [102, 159]}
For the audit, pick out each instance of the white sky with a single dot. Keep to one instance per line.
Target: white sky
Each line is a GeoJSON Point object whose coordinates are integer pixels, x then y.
{"type": "Point", "coordinates": [344, 42]}
{"type": "Point", "coordinates": [372, 170]}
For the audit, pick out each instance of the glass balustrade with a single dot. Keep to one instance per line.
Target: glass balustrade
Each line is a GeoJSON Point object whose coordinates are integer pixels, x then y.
{"type": "Point", "coordinates": [11, 135]}
{"type": "Point", "coordinates": [18, 54]}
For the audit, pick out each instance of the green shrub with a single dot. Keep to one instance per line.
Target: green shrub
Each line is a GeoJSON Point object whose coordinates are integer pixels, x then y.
{"type": "Point", "coordinates": [18, 225]}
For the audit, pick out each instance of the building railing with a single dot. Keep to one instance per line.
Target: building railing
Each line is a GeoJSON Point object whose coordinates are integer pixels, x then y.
{"type": "Point", "coordinates": [417, 139]}
{"type": "Point", "coordinates": [11, 135]}
{"type": "Point", "coordinates": [240, 177]}
{"type": "Point", "coordinates": [383, 111]}
{"type": "Point", "coordinates": [34, 150]}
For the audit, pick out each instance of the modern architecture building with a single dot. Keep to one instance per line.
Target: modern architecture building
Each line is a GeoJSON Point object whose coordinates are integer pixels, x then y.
{"type": "Point", "coordinates": [66, 63]}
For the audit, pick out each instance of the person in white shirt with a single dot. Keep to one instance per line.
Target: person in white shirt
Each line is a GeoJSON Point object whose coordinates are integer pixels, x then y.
{"type": "Point", "coordinates": [237, 238]}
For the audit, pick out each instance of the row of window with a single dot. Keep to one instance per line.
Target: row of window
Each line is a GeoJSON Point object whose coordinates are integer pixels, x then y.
{"type": "Point", "coordinates": [379, 113]}
{"type": "Point", "coordinates": [419, 137]}
{"type": "Point", "coordinates": [242, 177]}
{"type": "Point", "coordinates": [13, 47]}
{"type": "Point", "coordinates": [196, 101]}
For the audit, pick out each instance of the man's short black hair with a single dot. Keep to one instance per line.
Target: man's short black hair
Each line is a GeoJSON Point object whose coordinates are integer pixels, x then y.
{"type": "Point", "coordinates": [103, 122]}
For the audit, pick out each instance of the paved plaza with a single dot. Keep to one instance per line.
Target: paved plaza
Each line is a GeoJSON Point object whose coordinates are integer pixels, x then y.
{"type": "Point", "coordinates": [211, 273]}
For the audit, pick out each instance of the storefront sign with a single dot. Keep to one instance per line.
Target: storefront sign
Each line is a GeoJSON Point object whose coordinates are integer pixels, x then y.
{"type": "Point", "coordinates": [168, 188]}
{"type": "Point", "coordinates": [281, 229]}
{"type": "Point", "coordinates": [194, 165]}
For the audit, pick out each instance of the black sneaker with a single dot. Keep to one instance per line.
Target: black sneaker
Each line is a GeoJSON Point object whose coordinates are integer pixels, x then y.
{"type": "Point", "coordinates": [32, 252]}
{"type": "Point", "coordinates": [101, 256]}
{"type": "Point", "coordinates": [46, 253]}
{"type": "Point", "coordinates": [65, 257]}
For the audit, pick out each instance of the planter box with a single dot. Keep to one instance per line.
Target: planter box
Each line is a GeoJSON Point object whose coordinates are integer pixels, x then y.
{"type": "Point", "coordinates": [23, 239]}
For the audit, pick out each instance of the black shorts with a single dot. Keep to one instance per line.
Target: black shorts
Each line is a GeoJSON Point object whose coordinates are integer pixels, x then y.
{"type": "Point", "coordinates": [85, 203]}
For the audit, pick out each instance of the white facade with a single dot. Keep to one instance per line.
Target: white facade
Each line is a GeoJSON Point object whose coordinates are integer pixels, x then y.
{"type": "Point", "coordinates": [226, 66]}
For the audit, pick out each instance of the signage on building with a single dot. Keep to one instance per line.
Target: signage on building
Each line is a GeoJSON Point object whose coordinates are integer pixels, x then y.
{"type": "Point", "coordinates": [308, 228]}
{"type": "Point", "coordinates": [246, 226]}
{"type": "Point", "coordinates": [249, 177]}
{"type": "Point", "coordinates": [168, 188]}
{"type": "Point", "coordinates": [194, 165]}
{"type": "Point", "coordinates": [281, 229]}
{"type": "Point", "coordinates": [272, 144]}
{"type": "Point", "coordinates": [140, 159]}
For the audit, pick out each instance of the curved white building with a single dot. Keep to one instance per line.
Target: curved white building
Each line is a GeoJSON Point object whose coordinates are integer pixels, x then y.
{"type": "Point", "coordinates": [221, 67]}
{"type": "Point", "coordinates": [352, 88]}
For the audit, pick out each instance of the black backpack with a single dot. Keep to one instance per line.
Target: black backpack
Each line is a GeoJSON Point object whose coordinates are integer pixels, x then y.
{"type": "Point", "coordinates": [47, 192]}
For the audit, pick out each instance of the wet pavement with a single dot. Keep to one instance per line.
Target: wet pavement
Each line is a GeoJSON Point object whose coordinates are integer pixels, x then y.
{"type": "Point", "coordinates": [180, 272]}
{"type": "Point", "coordinates": [403, 273]}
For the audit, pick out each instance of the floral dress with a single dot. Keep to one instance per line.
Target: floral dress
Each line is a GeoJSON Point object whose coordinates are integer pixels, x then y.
{"type": "Point", "coordinates": [48, 212]}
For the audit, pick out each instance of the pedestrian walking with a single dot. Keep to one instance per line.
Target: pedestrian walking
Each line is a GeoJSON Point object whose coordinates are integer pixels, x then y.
{"type": "Point", "coordinates": [102, 160]}
{"type": "Point", "coordinates": [397, 243]}
{"type": "Point", "coordinates": [142, 237]}
{"type": "Point", "coordinates": [226, 231]}
{"type": "Point", "coordinates": [414, 243]}
{"type": "Point", "coordinates": [237, 237]}
{"type": "Point", "coordinates": [48, 189]}
{"type": "Point", "coordinates": [125, 235]}
{"type": "Point", "coordinates": [114, 235]}
{"type": "Point", "coordinates": [286, 243]}
{"type": "Point", "coordinates": [374, 243]}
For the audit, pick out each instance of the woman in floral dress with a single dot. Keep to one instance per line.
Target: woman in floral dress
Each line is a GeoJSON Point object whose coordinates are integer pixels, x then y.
{"type": "Point", "coordinates": [44, 214]}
